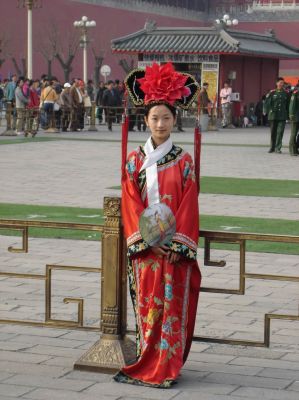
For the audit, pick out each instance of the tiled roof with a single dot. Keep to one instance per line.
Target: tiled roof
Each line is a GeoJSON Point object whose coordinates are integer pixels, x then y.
{"type": "Point", "coordinates": [154, 39]}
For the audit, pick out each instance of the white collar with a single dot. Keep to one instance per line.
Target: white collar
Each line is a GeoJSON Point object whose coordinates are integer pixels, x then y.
{"type": "Point", "coordinates": [154, 155]}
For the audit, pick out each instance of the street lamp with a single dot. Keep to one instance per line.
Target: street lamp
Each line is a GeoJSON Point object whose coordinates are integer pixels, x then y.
{"type": "Point", "coordinates": [226, 21]}
{"type": "Point", "coordinates": [83, 25]}
{"type": "Point", "coordinates": [29, 4]}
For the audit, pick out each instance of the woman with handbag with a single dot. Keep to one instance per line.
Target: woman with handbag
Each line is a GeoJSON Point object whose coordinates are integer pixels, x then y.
{"type": "Point", "coordinates": [47, 100]}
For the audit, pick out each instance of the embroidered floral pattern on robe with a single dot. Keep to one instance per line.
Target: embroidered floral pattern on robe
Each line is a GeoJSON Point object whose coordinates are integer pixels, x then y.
{"type": "Point", "coordinates": [164, 295]}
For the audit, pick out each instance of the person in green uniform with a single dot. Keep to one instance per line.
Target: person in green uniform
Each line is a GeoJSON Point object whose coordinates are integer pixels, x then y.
{"type": "Point", "coordinates": [276, 106]}
{"type": "Point", "coordinates": [294, 118]}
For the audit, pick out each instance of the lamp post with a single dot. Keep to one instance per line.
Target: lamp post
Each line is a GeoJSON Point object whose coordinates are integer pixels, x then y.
{"type": "Point", "coordinates": [29, 4]}
{"type": "Point", "coordinates": [84, 24]}
{"type": "Point", "coordinates": [226, 21]}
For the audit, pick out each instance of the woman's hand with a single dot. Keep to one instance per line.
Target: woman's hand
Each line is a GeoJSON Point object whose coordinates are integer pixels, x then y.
{"type": "Point", "coordinates": [162, 251]}
{"type": "Point", "coordinates": [173, 257]}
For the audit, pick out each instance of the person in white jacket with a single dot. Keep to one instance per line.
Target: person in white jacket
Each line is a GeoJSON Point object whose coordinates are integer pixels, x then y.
{"type": "Point", "coordinates": [226, 105]}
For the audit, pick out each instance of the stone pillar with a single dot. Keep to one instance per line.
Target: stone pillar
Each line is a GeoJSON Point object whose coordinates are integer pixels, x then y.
{"type": "Point", "coordinates": [114, 349]}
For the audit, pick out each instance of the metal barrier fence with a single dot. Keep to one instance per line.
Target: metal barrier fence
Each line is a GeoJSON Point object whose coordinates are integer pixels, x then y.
{"type": "Point", "coordinates": [114, 348]}
{"type": "Point", "coordinates": [32, 120]}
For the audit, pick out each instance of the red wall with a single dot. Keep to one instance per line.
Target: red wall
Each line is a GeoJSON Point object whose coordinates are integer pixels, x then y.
{"type": "Point", "coordinates": [111, 23]}
{"type": "Point", "coordinates": [254, 76]}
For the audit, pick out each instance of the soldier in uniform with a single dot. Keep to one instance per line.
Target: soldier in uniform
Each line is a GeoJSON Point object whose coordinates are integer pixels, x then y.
{"type": "Point", "coordinates": [294, 118]}
{"type": "Point", "coordinates": [276, 106]}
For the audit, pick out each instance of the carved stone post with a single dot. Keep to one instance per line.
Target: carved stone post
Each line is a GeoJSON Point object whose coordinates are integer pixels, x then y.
{"type": "Point", "coordinates": [92, 126]}
{"type": "Point", "coordinates": [9, 121]}
{"type": "Point", "coordinates": [114, 349]}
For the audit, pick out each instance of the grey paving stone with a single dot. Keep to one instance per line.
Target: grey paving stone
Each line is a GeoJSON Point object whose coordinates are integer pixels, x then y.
{"type": "Point", "coordinates": [49, 341]}
{"type": "Point", "coordinates": [192, 385]}
{"type": "Point", "coordinates": [21, 357]}
{"type": "Point", "coordinates": [243, 380]}
{"type": "Point", "coordinates": [265, 363]}
{"type": "Point", "coordinates": [291, 357]}
{"type": "Point", "coordinates": [279, 373]}
{"type": "Point", "coordinates": [267, 394]}
{"type": "Point", "coordinates": [295, 386]}
{"type": "Point", "coordinates": [12, 390]}
{"type": "Point", "coordinates": [246, 351]}
{"type": "Point", "coordinates": [8, 345]}
{"type": "Point", "coordinates": [4, 375]}
{"type": "Point", "coordinates": [48, 382]}
{"type": "Point", "coordinates": [187, 395]}
{"type": "Point", "coordinates": [121, 389]}
{"type": "Point", "coordinates": [64, 361]}
{"type": "Point", "coordinates": [35, 369]}
{"type": "Point", "coordinates": [89, 376]}
{"type": "Point", "coordinates": [34, 331]}
{"type": "Point", "coordinates": [215, 367]}
{"type": "Point", "coordinates": [210, 358]}
{"type": "Point", "coordinates": [52, 394]}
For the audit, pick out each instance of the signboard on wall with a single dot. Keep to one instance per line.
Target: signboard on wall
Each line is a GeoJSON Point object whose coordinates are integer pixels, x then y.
{"type": "Point", "coordinates": [209, 74]}
{"type": "Point", "coordinates": [182, 58]}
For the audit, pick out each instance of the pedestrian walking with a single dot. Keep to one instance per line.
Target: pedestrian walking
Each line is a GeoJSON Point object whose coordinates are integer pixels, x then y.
{"type": "Point", "coordinates": [276, 106]}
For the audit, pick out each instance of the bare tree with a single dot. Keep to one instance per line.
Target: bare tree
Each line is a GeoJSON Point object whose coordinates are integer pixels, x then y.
{"type": "Point", "coordinates": [65, 53]}
{"type": "Point", "coordinates": [4, 48]}
{"type": "Point", "coordinates": [99, 56]}
{"type": "Point", "coordinates": [21, 69]}
{"type": "Point", "coordinates": [127, 64]}
{"type": "Point", "coordinates": [48, 45]}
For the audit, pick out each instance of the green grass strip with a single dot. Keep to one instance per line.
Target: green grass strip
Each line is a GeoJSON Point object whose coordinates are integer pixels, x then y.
{"type": "Point", "coordinates": [246, 187]}
{"type": "Point", "coordinates": [250, 187]}
{"type": "Point", "coordinates": [95, 216]}
{"type": "Point", "coordinates": [53, 213]}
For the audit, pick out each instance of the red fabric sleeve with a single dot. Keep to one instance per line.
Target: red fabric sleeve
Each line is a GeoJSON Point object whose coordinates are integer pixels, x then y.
{"type": "Point", "coordinates": [185, 240]}
{"type": "Point", "coordinates": [132, 206]}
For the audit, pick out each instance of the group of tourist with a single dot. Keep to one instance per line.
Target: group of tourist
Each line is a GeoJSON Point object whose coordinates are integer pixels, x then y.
{"type": "Point", "coordinates": [50, 104]}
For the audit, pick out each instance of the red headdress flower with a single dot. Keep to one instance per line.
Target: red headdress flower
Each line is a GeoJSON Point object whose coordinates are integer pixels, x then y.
{"type": "Point", "coordinates": [163, 83]}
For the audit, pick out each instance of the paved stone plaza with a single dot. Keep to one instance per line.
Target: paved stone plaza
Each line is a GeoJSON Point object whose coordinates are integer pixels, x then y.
{"type": "Point", "coordinates": [37, 363]}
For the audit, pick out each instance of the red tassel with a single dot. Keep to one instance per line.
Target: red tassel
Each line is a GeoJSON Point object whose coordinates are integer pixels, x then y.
{"type": "Point", "coordinates": [124, 144]}
{"type": "Point", "coordinates": [197, 146]}
{"type": "Point", "coordinates": [197, 151]}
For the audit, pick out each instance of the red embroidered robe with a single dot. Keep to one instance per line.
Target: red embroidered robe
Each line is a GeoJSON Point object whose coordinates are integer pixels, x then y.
{"type": "Point", "coordinates": [164, 295]}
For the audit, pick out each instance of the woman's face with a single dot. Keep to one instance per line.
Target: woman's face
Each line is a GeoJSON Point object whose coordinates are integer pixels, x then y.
{"type": "Point", "coordinates": [160, 121]}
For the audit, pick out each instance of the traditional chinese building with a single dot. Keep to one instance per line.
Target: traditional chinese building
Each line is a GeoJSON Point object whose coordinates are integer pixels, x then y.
{"type": "Point", "coordinates": [214, 54]}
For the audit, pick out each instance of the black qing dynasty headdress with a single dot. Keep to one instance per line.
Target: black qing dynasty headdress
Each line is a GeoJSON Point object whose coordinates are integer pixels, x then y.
{"type": "Point", "coordinates": [161, 84]}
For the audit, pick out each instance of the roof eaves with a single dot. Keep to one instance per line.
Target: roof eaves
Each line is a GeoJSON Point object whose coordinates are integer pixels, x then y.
{"type": "Point", "coordinates": [130, 36]}
{"type": "Point", "coordinates": [229, 39]}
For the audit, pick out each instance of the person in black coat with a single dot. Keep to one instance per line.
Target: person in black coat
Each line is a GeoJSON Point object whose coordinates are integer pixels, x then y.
{"type": "Point", "coordinates": [99, 101]}
{"type": "Point", "coordinates": [110, 101]}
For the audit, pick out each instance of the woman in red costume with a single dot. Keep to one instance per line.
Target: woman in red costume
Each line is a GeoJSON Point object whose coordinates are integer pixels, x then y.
{"type": "Point", "coordinates": [164, 278]}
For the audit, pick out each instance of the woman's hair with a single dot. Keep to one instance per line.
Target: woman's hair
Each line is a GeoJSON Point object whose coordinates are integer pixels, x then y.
{"type": "Point", "coordinates": [149, 106]}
